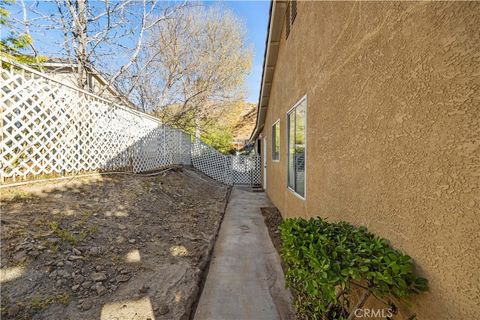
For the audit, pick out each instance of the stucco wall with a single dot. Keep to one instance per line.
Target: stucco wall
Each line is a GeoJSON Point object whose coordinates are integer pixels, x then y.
{"type": "Point", "coordinates": [393, 133]}
{"type": "Point", "coordinates": [70, 78]}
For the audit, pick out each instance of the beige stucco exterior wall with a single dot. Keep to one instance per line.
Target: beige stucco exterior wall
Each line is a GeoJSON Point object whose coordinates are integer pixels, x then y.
{"type": "Point", "coordinates": [70, 78]}
{"type": "Point", "coordinates": [393, 133]}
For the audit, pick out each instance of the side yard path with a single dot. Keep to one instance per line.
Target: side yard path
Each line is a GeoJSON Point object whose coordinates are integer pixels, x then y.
{"type": "Point", "coordinates": [245, 278]}
{"type": "Point", "coordinates": [108, 247]}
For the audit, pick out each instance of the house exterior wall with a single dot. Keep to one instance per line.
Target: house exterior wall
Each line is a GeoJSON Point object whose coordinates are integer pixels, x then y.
{"type": "Point", "coordinates": [70, 78]}
{"type": "Point", "coordinates": [393, 133]}
{"type": "Point", "coordinates": [63, 77]}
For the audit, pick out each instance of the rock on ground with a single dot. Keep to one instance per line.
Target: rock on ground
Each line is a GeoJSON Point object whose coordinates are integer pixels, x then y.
{"type": "Point", "coordinates": [108, 247]}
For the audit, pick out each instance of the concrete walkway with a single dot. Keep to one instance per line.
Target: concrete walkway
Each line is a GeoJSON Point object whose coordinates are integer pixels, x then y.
{"type": "Point", "coordinates": [245, 279]}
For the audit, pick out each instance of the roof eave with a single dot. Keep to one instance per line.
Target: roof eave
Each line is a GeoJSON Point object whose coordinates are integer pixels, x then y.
{"type": "Point", "coordinates": [277, 14]}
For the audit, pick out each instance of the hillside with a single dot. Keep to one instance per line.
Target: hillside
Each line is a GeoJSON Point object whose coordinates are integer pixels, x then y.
{"type": "Point", "coordinates": [244, 124]}
{"type": "Point", "coordinates": [225, 127]}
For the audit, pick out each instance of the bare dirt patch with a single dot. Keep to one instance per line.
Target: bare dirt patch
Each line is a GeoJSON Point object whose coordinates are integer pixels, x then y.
{"type": "Point", "coordinates": [273, 219]}
{"type": "Point", "coordinates": [108, 247]}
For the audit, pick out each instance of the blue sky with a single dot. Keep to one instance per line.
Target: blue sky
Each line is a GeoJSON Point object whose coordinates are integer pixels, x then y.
{"type": "Point", "coordinates": [253, 13]}
{"type": "Point", "coordinates": [255, 16]}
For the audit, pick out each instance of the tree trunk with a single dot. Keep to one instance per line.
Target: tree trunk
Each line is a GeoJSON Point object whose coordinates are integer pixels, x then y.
{"type": "Point", "coordinates": [81, 30]}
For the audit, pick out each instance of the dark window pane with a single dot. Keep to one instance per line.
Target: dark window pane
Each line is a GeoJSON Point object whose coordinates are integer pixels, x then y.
{"type": "Point", "coordinates": [276, 141]}
{"type": "Point", "coordinates": [273, 142]}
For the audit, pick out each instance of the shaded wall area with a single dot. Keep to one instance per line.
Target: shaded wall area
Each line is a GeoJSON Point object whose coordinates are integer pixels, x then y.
{"type": "Point", "coordinates": [393, 133]}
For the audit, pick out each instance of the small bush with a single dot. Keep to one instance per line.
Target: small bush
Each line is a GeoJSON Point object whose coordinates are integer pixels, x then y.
{"type": "Point", "coordinates": [326, 261]}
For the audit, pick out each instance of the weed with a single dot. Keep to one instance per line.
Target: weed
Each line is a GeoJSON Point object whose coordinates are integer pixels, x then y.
{"type": "Point", "coordinates": [92, 228]}
{"type": "Point", "coordinates": [54, 247]}
{"type": "Point", "coordinates": [54, 226]}
{"type": "Point", "coordinates": [63, 234]}
{"type": "Point", "coordinates": [50, 245]}
{"type": "Point", "coordinates": [82, 235]}
{"type": "Point", "coordinates": [64, 298]}
{"type": "Point", "coordinates": [41, 304]}
{"type": "Point", "coordinates": [67, 236]}
{"type": "Point", "coordinates": [85, 216]}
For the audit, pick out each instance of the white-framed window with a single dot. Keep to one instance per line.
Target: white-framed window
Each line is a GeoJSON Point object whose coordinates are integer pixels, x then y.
{"type": "Point", "coordinates": [276, 141]}
{"type": "Point", "coordinates": [297, 146]}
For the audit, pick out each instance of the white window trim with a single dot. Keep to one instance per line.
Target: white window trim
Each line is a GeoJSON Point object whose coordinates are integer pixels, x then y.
{"type": "Point", "coordinates": [279, 142]}
{"type": "Point", "coordinates": [302, 99]}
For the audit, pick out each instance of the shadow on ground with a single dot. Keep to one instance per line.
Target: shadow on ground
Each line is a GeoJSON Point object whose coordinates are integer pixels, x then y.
{"type": "Point", "coordinates": [108, 247]}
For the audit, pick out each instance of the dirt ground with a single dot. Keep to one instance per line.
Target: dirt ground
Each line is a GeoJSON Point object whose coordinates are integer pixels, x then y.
{"type": "Point", "coordinates": [108, 247]}
{"type": "Point", "coordinates": [273, 219]}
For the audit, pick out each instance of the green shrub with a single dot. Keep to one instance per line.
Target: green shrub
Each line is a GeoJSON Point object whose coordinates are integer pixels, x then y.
{"type": "Point", "coordinates": [326, 261]}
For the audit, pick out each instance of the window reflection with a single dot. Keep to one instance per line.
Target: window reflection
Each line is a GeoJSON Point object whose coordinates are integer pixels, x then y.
{"type": "Point", "coordinates": [296, 120]}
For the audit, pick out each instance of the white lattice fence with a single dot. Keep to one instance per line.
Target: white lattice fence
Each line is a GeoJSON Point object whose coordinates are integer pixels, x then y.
{"type": "Point", "coordinates": [49, 127]}
{"type": "Point", "coordinates": [245, 169]}
{"type": "Point", "coordinates": [228, 169]}
{"type": "Point", "coordinates": [211, 162]}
